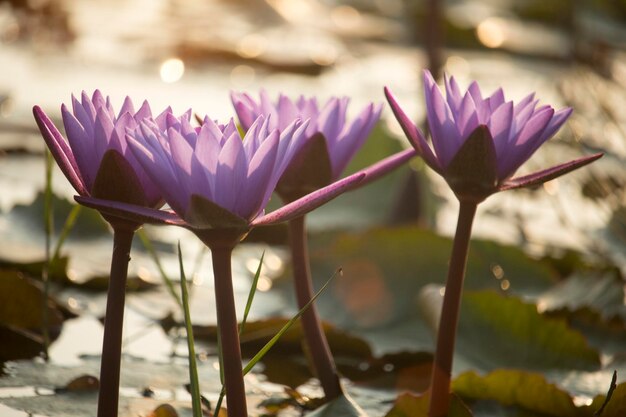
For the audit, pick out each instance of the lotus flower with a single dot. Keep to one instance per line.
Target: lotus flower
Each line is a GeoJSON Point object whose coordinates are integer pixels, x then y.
{"type": "Point", "coordinates": [95, 157]}
{"type": "Point", "coordinates": [331, 140]}
{"type": "Point", "coordinates": [479, 142]}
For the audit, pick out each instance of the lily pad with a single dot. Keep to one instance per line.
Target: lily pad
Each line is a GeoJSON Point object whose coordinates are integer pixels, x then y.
{"type": "Point", "coordinates": [530, 391]}
{"type": "Point", "coordinates": [411, 405]}
{"type": "Point", "coordinates": [496, 330]}
{"type": "Point", "coordinates": [385, 268]}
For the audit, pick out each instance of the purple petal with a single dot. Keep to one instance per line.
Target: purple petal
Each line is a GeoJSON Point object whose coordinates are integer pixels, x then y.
{"type": "Point", "coordinates": [466, 119]}
{"type": "Point", "coordinates": [245, 107]}
{"type": "Point", "coordinates": [103, 131]}
{"type": "Point", "coordinates": [231, 173]}
{"type": "Point", "coordinates": [83, 116]}
{"type": "Point", "coordinates": [332, 119]}
{"type": "Point", "coordinates": [127, 107]}
{"type": "Point", "coordinates": [310, 201]}
{"type": "Point", "coordinates": [445, 136]}
{"type": "Point", "coordinates": [414, 135]}
{"type": "Point", "coordinates": [548, 174]}
{"type": "Point", "coordinates": [500, 127]}
{"type": "Point", "coordinates": [527, 142]}
{"type": "Point", "coordinates": [496, 99]}
{"type": "Point", "coordinates": [132, 212]}
{"type": "Point", "coordinates": [260, 182]}
{"type": "Point", "coordinates": [60, 150]}
{"type": "Point", "coordinates": [82, 145]}
{"type": "Point", "coordinates": [453, 95]}
{"type": "Point", "coordinates": [352, 140]}
{"type": "Point", "coordinates": [160, 171]}
{"type": "Point", "coordinates": [287, 112]}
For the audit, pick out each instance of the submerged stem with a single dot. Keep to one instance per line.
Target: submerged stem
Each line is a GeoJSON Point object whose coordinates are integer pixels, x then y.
{"type": "Point", "coordinates": [321, 356]}
{"type": "Point", "coordinates": [113, 322]}
{"type": "Point", "coordinates": [442, 365]}
{"type": "Point", "coordinates": [228, 331]}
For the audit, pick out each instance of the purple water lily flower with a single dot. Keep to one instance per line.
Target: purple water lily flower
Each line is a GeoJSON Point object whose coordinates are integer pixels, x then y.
{"type": "Point", "coordinates": [479, 142]}
{"type": "Point", "coordinates": [332, 141]}
{"type": "Point", "coordinates": [95, 158]}
{"type": "Point", "coordinates": [210, 176]}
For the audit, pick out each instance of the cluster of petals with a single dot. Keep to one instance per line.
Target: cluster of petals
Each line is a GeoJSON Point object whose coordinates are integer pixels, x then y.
{"type": "Point", "coordinates": [214, 163]}
{"type": "Point", "coordinates": [343, 138]}
{"type": "Point", "coordinates": [509, 133]}
{"type": "Point", "coordinates": [93, 128]}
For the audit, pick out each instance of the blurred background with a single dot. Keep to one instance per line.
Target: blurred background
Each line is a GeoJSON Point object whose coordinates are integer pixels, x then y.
{"type": "Point", "coordinates": [561, 246]}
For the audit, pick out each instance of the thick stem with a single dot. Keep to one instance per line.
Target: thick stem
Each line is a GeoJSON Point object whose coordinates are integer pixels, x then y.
{"type": "Point", "coordinates": [229, 336]}
{"type": "Point", "coordinates": [442, 366]}
{"type": "Point", "coordinates": [113, 323]}
{"type": "Point", "coordinates": [313, 332]}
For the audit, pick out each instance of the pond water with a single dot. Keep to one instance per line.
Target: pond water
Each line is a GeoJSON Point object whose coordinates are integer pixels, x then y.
{"type": "Point", "coordinates": [191, 55]}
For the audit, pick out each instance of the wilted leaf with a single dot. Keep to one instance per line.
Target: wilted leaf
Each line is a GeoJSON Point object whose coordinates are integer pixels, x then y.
{"type": "Point", "coordinates": [496, 330]}
{"type": "Point", "coordinates": [527, 390]}
{"type": "Point", "coordinates": [21, 304]}
{"type": "Point", "coordinates": [258, 333]}
{"type": "Point", "coordinates": [411, 405]}
{"type": "Point", "coordinates": [83, 383]}
{"type": "Point", "coordinates": [18, 344]}
{"type": "Point", "coordinates": [164, 410]}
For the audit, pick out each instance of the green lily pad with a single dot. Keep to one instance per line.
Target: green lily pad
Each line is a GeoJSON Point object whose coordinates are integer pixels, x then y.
{"type": "Point", "coordinates": [499, 331]}
{"type": "Point", "coordinates": [384, 269]}
{"type": "Point", "coordinates": [530, 391]}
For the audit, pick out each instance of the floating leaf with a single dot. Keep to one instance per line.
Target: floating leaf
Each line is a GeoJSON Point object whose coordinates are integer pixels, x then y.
{"type": "Point", "coordinates": [527, 390]}
{"type": "Point", "coordinates": [603, 293]}
{"type": "Point", "coordinates": [83, 383]}
{"type": "Point", "coordinates": [18, 344]}
{"type": "Point", "coordinates": [411, 405]}
{"type": "Point", "coordinates": [21, 303]}
{"type": "Point", "coordinates": [495, 330]}
{"type": "Point", "coordinates": [385, 268]}
{"type": "Point", "coordinates": [164, 410]}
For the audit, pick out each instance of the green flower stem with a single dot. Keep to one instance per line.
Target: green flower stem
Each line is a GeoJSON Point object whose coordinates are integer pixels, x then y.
{"type": "Point", "coordinates": [114, 319]}
{"type": "Point", "coordinates": [228, 331]}
{"type": "Point", "coordinates": [442, 365]}
{"type": "Point", "coordinates": [314, 334]}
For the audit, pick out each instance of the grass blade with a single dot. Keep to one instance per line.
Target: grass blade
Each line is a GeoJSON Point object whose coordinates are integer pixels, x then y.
{"type": "Point", "coordinates": [286, 327]}
{"type": "Point", "coordinates": [255, 281]}
{"type": "Point", "coordinates": [145, 241]}
{"type": "Point", "coordinates": [67, 228]}
{"type": "Point", "coordinates": [49, 226]}
{"type": "Point", "coordinates": [196, 399]}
